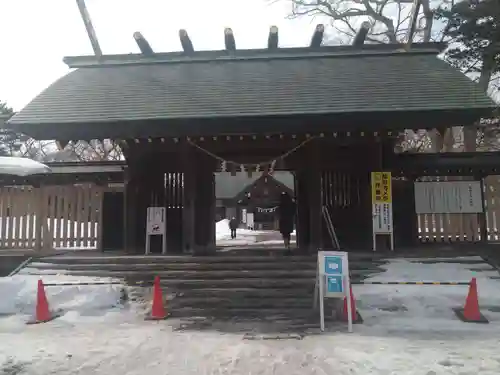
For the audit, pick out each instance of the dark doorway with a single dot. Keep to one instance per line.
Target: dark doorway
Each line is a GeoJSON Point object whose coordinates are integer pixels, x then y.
{"type": "Point", "coordinates": [112, 221]}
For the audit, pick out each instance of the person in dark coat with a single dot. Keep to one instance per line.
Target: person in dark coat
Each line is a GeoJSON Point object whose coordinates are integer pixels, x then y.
{"type": "Point", "coordinates": [286, 218]}
{"type": "Point", "coordinates": [233, 225]}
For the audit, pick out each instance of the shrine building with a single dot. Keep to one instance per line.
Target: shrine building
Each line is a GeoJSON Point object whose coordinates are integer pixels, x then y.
{"type": "Point", "coordinates": [331, 115]}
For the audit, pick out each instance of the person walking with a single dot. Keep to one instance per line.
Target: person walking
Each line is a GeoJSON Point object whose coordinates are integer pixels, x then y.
{"type": "Point", "coordinates": [233, 225]}
{"type": "Point", "coordinates": [286, 219]}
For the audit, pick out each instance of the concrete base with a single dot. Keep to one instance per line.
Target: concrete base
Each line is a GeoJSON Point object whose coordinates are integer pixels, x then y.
{"type": "Point", "coordinates": [459, 312]}
{"type": "Point", "coordinates": [34, 321]}
{"type": "Point", "coordinates": [151, 318]}
{"type": "Point", "coordinates": [359, 318]}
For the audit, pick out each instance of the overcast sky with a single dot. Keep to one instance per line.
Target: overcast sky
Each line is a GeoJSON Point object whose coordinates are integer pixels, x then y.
{"type": "Point", "coordinates": [37, 34]}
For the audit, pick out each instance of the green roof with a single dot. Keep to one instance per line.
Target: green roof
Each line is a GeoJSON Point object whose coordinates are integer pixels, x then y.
{"type": "Point", "coordinates": [326, 81]}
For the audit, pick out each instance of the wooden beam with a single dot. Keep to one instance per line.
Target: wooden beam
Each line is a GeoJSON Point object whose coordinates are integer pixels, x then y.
{"type": "Point", "coordinates": [360, 37]}
{"type": "Point", "coordinates": [413, 23]}
{"type": "Point", "coordinates": [229, 39]}
{"type": "Point", "coordinates": [90, 29]}
{"type": "Point", "coordinates": [186, 43]}
{"type": "Point", "coordinates": [272, 41]}
{"type": "Point", "coordinates": [143, 44]}
{"type": "Point", "coordinates": [317, 37]}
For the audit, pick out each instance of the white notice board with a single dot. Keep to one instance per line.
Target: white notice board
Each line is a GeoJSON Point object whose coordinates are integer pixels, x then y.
{"type": "Point", "coordinates": [448, 197]}
{"type": "Point", "coordinates": [156, 224]}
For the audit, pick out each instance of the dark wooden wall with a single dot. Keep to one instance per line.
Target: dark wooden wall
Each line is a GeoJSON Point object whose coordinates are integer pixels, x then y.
{"type": "Point", "coordinates": [328, 173]}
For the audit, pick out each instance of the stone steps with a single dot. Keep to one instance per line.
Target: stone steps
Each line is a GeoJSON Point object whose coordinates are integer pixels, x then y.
{"type": "Point", "coordinates": [190, 266]}
{"type": "Point", "coordinates": [145, 275]}
{"type": "Point", "coordinates": [231, 301]}
{"type": "Point", "coordinates": [275, 287]}
{"type": "Point", "coordinates": [297, 314]}
{"type": "Point", "coordinates": [367, 259]}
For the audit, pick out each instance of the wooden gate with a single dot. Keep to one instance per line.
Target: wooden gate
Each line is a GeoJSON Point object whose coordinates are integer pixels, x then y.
{"type": "Point", "coordinates": [71, 216]}
{"type": "Point", "coordinates": [347, 197]}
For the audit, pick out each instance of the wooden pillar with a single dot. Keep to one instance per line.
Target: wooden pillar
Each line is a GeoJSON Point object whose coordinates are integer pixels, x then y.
{"type": "Point", "coordinates": [41, 217]}
{"type": "Point", "coordinates": [314, 198]}
{"type": "Point", "coordinates": [204, 211]}
{"type": "Point", "coordinates": [131, 210]}
{"type": "Point", "coordinates": [189, 196]}
{"type": "Point", "coordinates": [211, 210]}
{"type": "Point", "coordinates": [483, 226]}
{"type": "Point", "coordinates": [302, 210]}
{"type": "Point", "coordinates": [126, 214]}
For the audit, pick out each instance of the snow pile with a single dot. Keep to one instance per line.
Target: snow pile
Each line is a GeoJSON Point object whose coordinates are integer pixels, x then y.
{"type": "Point", "coordinates": [19, 294]}
{"type": "Point", "coordinates": [21, 166]}
{"type": "Point", "coordinates": [426, 307]}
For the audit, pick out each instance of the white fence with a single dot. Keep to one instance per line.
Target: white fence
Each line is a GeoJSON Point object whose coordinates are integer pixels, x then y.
{"type": "Point", "coordinates": [71, 217]}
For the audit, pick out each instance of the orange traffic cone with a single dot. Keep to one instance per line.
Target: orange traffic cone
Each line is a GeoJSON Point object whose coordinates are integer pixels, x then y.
{"type": "Point", "coordinates": [158, 310]}
{"type": "Point", "coordinates": [43, 313]}
{"type": "Point", "coordinates": [356, 317]}
{"type": "Point", "coordinates": [471, 313]}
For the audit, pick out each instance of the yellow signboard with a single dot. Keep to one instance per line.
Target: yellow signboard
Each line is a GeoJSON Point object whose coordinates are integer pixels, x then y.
{"type": "Point", "coordinates": [381, 187]}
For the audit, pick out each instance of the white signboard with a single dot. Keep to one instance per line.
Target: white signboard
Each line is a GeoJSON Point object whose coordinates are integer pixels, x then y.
{"type": "Point", "coordinates": [332, 281]}
{"type": "Point", "coordinates": [382, 218]}
{"type": "Point", "coordinates": [250, 221]}
{"type": "Point", "coordinates": [156, 218]}
{"type": "Point", "coordinates": [448, 197]}
{"type": "Point", "coordinates": [244, 215]}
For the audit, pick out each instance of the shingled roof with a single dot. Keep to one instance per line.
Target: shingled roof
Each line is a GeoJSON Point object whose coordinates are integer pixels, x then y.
{"type": "Point", "coordinates": [132, 90]}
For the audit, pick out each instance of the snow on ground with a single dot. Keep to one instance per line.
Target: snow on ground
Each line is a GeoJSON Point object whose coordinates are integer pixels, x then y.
{"type": "Point", "coordinates": [417, 308]}
{"type": "Point", "coordinates": [408, 330]}
{"type": "Point", "coordinates": [245, 236]}
{"type": "Point", "coordinates": [19, 297]}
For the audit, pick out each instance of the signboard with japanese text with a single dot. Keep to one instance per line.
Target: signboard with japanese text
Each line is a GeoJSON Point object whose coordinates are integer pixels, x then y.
{"type": "Point", "coordinates": [382, 206]}
{"type": "Point", "coordinates": [382, 218]}
{"type": "Point", "coordinates": [448, 197]}
{"type": "Point", "coordinates": [381, 187]}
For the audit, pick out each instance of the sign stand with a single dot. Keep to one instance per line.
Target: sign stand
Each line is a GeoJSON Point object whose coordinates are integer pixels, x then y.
{"type": "Point", "coordinates": [156, 225]}
{"type": "Point", "coordinates": [332, 281]}
{"type": "Point", "coordinates": [382, 223]}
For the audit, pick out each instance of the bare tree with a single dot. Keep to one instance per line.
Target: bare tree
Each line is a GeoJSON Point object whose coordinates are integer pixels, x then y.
{"type": "Point", "coordinates": [94, 150]}
{"type": "Point", "coordinates": [389, 19]}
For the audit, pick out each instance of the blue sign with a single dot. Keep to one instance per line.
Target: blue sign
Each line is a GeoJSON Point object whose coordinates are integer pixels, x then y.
{"type": "Point", "coordinates": [334, 284]}
{"type": "Point", "coordinates": [333, 265]}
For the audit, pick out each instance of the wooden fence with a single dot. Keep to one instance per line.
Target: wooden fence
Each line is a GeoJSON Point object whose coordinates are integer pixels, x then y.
{"type": "Point", "coordinates": [464, 227]}
{"type": "Point", "coordinates": [71, 216]}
